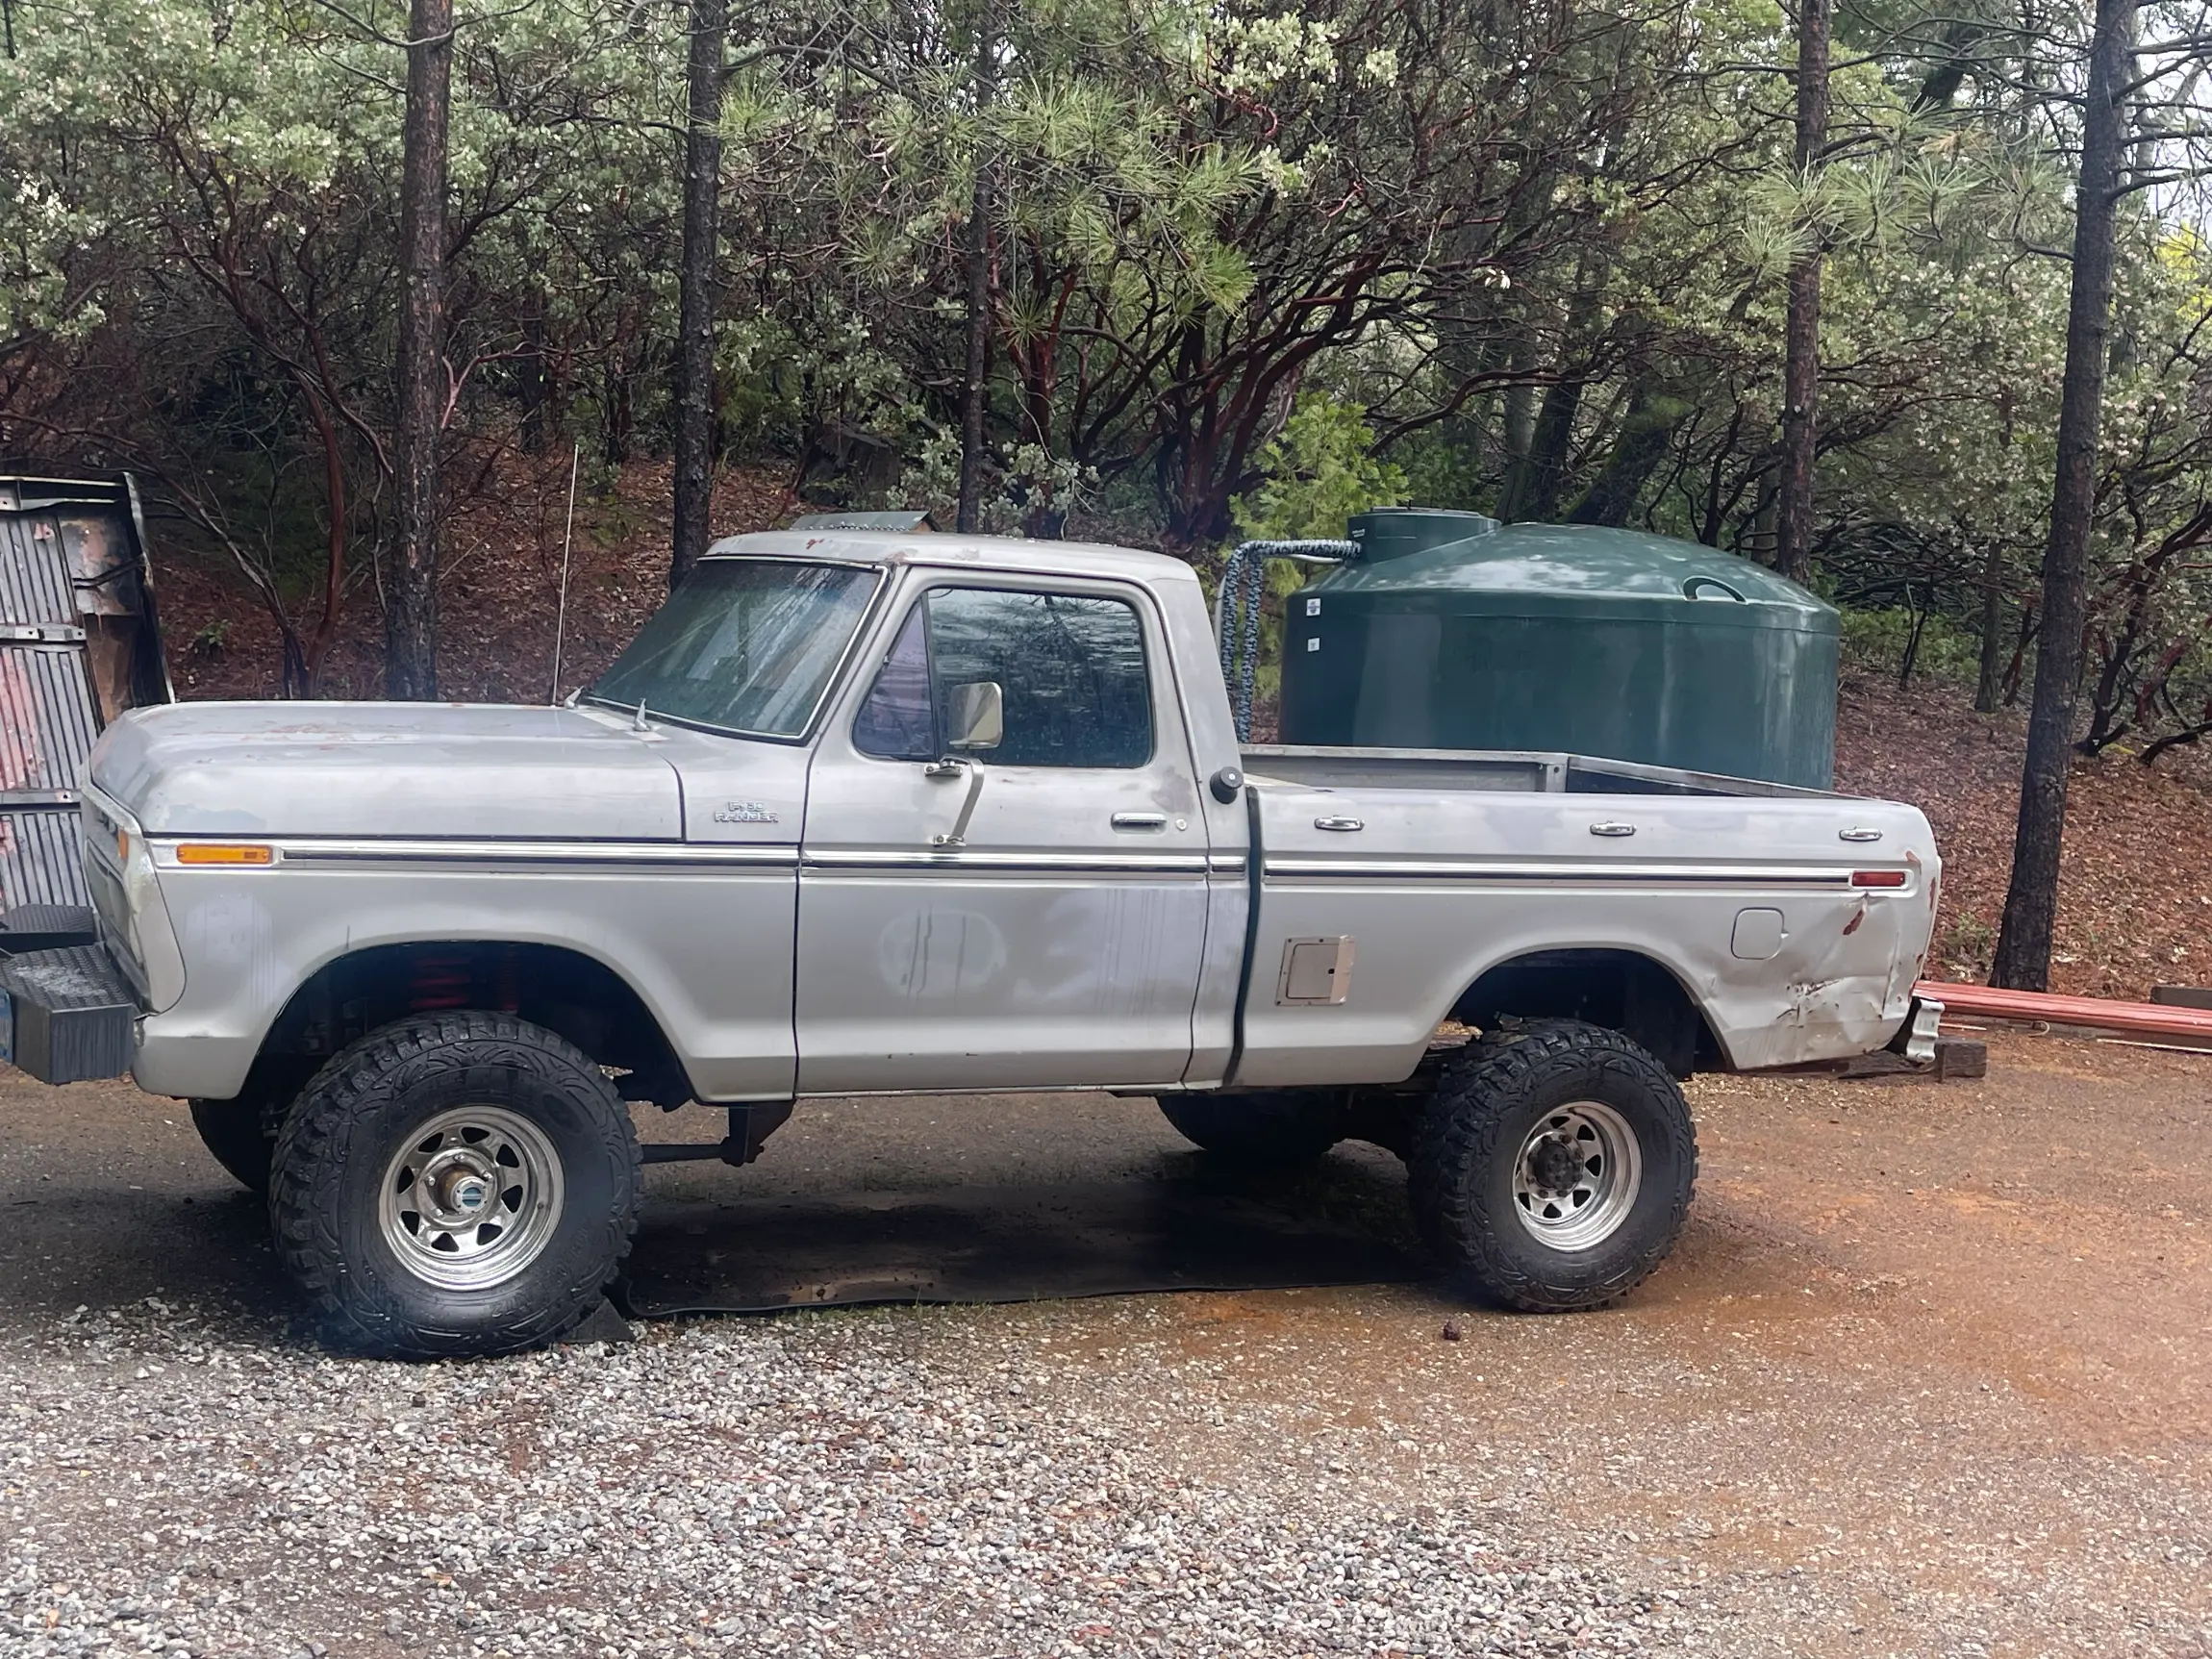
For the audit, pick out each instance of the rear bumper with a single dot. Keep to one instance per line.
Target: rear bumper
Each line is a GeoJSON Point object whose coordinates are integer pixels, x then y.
{"type": "Point", "coordinates": [1916, 1038]}
{"type": "Point", "coordinates": [67, 1015]}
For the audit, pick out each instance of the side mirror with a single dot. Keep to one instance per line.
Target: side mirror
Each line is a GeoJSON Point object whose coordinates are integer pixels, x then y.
{"type": "Point", "coordinates": [974, 715]}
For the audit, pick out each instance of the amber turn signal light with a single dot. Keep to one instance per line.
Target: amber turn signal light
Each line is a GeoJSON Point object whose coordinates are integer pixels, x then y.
{"type": "Point", "coordinates": [224, 852]}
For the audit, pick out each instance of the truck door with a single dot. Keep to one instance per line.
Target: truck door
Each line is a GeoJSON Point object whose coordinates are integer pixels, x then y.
{"type": "Point", "coordinates": [1003, 875]}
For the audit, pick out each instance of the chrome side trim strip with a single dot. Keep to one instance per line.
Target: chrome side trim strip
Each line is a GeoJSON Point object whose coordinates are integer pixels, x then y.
{"type": "Point", "coordinates": [1559, 875]}
{"type": "Point", "coordinates": [967, 863]}
{"type": "Point", "coordinates": [627, 856]}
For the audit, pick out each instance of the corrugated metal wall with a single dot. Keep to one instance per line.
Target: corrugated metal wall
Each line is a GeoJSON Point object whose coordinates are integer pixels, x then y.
{"type": "Point", "coordinates": [35, 584]}
{"type": "Point", "coordinates": [49, 708]}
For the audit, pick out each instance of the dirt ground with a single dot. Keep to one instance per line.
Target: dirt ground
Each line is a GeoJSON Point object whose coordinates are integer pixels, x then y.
{"type": "Point", "coordinates": [1931, 1373]}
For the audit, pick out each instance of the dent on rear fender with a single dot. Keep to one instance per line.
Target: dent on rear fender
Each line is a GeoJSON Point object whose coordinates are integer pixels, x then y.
{"type": "Point", "coordinates": [1839, 987]}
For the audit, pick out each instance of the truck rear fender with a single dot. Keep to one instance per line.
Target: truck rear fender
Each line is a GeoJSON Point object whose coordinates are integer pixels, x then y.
{"type": "Point", "coordinates": [1624, 989]}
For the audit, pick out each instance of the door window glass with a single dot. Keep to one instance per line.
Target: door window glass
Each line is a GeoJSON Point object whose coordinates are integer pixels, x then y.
{"type": "Point", "coordinates": [899, 722]}
{"type": "Point", "coordinates": [1069, 667]}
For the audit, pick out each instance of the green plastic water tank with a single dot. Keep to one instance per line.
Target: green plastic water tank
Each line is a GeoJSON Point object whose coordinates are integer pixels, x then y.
{"type": "Point", "coordinates": [1452, 632]}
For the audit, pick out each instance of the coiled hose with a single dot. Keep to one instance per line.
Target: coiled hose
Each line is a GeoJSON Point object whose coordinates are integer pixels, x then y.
{"type": "Point", "coordinates": [1244, 582]}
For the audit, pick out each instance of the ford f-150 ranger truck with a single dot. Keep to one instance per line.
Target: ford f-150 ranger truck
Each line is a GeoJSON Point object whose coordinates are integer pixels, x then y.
{"type": "Point", "coordinates": [870, 814]}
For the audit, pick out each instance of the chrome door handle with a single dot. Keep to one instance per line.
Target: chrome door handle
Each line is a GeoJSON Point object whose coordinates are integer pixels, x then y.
{"type": "Point", "coordinates": [1140, 820]}
{"type": "Point", "coordinates": [1860, 834]}
{"type": "Point", "coordinates": [1340, 824]}
{"type": "Point", "coordinates": [1612, 827]}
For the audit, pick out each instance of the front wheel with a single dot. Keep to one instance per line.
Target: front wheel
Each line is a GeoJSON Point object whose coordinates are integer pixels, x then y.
{"type": "Point", "coordinates": [1554, 1167]}
{"type": "Point", "coordinates": [453, 1185]}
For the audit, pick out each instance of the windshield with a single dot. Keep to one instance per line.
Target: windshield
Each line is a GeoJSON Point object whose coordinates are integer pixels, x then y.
{"type": "Point", "coordinates": [745, 644]}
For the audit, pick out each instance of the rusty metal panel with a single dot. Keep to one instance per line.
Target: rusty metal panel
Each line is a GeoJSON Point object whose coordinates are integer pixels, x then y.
{"type": "Point", "coordinates": [46, 727]}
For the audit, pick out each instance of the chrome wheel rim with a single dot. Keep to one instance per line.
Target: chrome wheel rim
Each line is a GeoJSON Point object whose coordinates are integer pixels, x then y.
{"type": "Point", "coordinates": [472, 1198]}
{"type": "Point", "coordinates": [1576, 1176]}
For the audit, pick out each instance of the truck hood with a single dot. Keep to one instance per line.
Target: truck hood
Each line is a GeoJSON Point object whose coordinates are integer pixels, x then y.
{"type": "Point", "coordinates": [397, 770]}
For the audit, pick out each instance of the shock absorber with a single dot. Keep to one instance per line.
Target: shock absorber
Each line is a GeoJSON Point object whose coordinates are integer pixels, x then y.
{"type": "Point", "coordinates": [439, 982]}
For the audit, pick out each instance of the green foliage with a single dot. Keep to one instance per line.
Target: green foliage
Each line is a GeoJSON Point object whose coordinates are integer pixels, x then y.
{"type": "Point", "coordinates": [1319, 470]}
{"type": "Point", "coordinates": [1443, 469]}
{"type": "Point", "coordinates": [1524, 260]}
{"type": "Point", "coordinates": [1316, 474]}
{"type": "Point", "coordinates": [1878, 640]}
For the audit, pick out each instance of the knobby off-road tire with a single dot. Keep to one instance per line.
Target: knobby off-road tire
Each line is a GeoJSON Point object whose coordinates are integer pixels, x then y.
{"type": "Point", "coordinates": [1259, 1126]}
{"type": "Point", "coordinates": [455, 1183]}
{"type": "Point", "coordinates": [1553, 1168]}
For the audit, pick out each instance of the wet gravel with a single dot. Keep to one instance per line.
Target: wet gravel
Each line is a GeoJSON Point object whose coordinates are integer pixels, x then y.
{"type": "Point", "coordinates": [878, 1482]}
{"type": "Point", "coordinates": [1905, 1392]}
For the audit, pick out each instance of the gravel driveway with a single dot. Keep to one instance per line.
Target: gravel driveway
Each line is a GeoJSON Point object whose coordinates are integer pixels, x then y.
{"type": "Point", "coordinates": [1886, 1401]}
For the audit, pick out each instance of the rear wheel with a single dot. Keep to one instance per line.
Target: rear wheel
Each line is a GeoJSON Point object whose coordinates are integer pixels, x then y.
{"type": "Point", "coordinates": [458, 1184]}
{"type": "Point", "coordinates": [1261, 1126]}
{"type": "Point", "coordinates": [1554, 1167]}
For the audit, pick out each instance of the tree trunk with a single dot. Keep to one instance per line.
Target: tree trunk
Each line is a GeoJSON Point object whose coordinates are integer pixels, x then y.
{"type": "Point", "coordinates": [411, 619]}
{"type": "Point", "coordinates": [317, 646]}
{"type": "Point", "coordinates": [1646, 430]}
{"type": "Point", "coordinates": [2023, 960]}
{"type": "Point", "coordinates": [695, 283]}
{"type": "Point", "coordinates": [1550, 444]}
{"type": "Point", "coordinates": [1801, 333]}
{"type": "Point", "coordinates": [975, 385]}
{"type": "Point", "coordinates": [530, 381]}
{"type": "Point", "coordinates": [1518, 423]}
{"type": "Point", "coordinates": [1988, 683]}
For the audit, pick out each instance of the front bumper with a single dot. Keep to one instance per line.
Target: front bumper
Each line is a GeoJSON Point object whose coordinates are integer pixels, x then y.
{"type": "Point", "coordinates": [67, 1015]}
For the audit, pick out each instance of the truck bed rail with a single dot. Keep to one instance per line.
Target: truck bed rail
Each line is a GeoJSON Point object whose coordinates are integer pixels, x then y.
{"type": "Point", "coordinates": [1521, 771]}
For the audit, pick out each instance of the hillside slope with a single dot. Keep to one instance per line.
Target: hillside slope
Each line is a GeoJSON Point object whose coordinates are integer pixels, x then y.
{"type": "Point", "coordinates": [2135, 889]}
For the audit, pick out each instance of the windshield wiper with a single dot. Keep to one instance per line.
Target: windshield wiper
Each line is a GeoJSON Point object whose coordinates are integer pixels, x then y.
{"type": "Point", "coordinates": [638, 720]}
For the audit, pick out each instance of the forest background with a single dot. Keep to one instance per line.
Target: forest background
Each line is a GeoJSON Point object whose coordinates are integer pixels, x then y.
{"type": "Point", "coordinates": [1153, 272]}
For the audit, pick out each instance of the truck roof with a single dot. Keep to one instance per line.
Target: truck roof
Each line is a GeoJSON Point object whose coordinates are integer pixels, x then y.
{"type": "Point", "coordinates": [986, 552]}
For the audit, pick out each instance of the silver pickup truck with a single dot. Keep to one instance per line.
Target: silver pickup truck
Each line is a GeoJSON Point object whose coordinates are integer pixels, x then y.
{"type": "Point", "coordinates": [864, 814]}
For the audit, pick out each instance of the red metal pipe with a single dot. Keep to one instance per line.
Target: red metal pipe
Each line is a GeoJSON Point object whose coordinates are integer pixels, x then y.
{"type": "Point", "coordinates": [2143, 1019]}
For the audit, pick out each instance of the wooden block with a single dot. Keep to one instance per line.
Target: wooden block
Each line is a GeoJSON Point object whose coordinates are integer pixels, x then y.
{"type": "Point", "coordinates": [1959, 1057]}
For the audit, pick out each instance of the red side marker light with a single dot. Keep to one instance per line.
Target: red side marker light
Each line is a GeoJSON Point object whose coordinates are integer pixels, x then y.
{"type": "Point", "coordinates": [1878, 878]}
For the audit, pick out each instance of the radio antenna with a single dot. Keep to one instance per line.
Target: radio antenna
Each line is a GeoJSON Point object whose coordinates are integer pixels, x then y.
{"type": "Point", "coordinates": [568, 538]}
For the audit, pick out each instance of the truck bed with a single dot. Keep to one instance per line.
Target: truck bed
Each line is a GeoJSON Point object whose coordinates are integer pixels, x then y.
{"type": "Point", "coordinates": [1793, 919]}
